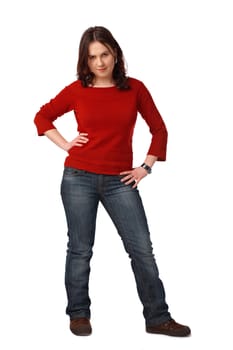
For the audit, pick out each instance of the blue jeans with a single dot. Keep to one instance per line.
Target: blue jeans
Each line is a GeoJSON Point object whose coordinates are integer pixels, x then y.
{"type": "Point", "coordinates": [81, 193]}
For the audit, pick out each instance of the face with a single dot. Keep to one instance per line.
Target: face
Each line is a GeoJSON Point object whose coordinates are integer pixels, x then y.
{"type": "Point", "coordinates": [101, 61]}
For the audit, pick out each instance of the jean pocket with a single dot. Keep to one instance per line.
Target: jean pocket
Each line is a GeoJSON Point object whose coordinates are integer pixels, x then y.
{"type": "Point", "coordinates": [68, 171]}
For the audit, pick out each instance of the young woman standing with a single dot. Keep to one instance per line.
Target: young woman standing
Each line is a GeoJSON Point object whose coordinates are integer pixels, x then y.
{"type": "Point", "coordinates": [98, 168]}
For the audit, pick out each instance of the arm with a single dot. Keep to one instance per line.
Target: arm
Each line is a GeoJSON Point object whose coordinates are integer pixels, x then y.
{"type": "Point", "coordinates": [157, 149]}
{"type": "Point", "coordinates": [154, 120]}
{"type": "Point", "coordinates": [150, 160]}
{"type": "Point", "coordinates": [62, 103]}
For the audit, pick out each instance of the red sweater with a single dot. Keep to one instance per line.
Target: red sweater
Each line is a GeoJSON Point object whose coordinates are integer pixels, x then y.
{"type": "Point", "coordinates": [108, 115]}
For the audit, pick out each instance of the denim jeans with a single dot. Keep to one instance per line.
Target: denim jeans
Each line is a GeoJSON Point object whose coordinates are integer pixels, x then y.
{"type": "Point", "coordinates": [81, 193]}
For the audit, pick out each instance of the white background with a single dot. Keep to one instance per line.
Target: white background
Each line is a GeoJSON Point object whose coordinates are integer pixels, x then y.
{"type": "Point", "coordinates": [182, 51]}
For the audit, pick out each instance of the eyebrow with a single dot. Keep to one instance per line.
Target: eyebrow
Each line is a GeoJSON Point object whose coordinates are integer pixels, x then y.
{"type": "Point", "coordinates": [106, 51]}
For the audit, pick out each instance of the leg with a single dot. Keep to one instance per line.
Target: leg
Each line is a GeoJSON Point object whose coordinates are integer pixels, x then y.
{"type": "Point", "coordinates": [125, 207]}
{"type": "Point", "coordinates": [80, 204]}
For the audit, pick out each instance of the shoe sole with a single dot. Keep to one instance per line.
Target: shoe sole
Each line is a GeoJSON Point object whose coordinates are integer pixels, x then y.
{"type": "Point", "coordinates": [82, 331]}
{"type": "Point", "coordinates": [186, 334]}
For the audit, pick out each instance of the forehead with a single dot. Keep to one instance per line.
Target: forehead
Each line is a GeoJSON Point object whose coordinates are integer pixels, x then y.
{"type": "Point", "coordinates": [96, 47]}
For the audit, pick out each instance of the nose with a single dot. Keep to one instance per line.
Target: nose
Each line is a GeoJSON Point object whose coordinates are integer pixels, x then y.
{"type": "Point", "coordinates": [99, 61]}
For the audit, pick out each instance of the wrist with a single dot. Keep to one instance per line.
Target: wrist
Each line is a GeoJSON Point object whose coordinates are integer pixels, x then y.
{"type": "Point", "coordinates": [65, 146]}
{"type": "Point", "coordinates": [147, 168]}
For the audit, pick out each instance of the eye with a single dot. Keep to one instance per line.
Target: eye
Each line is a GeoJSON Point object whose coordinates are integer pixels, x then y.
{"type": "Point", "coordinates": [91, 57]}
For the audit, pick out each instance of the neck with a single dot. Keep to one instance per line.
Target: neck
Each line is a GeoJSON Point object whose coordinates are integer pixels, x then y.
{"type": "Point", "coordinates": [103, 83]}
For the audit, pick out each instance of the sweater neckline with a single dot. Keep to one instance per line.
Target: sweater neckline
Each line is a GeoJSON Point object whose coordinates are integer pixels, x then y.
{"type": "Point", "coordinates": [102, 87]}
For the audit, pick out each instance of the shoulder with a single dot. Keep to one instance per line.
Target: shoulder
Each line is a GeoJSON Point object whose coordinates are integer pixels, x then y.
{"type": "Point", "coordinates": [71, 90]}
{"type": "Point", "coordinates": [134, 83]}
{"type": "Point", "coordinates": [74, 85]}
{"type": "Point", "coordinates": [138, 86]}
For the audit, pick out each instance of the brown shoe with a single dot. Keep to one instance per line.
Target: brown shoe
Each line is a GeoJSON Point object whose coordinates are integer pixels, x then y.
{"type": "Point", "coordinates": [81, 326]}
{"type": "Point", "coordinates": [171, 328]}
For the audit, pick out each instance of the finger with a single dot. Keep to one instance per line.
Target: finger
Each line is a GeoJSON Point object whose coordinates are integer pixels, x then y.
{"type": "Point", "coordinates": [79, 144]}
{"type": "Point", "coordinates": [80, 137]}
{"type": "Point", "coordinates": [136, 183]}
{"type": "Point", "coordinates": [82, 140]}
{"type": "Point", "coordinates": [130, 181]}
{"type": "Point", "coordinates": [126, 172]}
{"type": "Point", "coordinates": [133, 182]}
{"type": "Point", "coordinates": [129, 177]}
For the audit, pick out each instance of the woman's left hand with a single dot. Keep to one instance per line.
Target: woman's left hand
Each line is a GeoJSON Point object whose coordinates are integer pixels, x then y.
{"type": "Point", "coordinates": [133, 176]}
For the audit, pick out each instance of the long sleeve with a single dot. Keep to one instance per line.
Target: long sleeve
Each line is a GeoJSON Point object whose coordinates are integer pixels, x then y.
{"type": "Point", "coordinates": [150, 113]}
{"type": "Point", "coordinates": [57, 106]}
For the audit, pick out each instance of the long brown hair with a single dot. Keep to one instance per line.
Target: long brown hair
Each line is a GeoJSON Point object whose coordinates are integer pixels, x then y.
{"type": "Point", "coordinates": [105, 37]}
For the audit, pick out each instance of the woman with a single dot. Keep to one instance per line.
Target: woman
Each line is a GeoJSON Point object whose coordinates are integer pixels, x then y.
{"type": "Point", "coordinates": [98, 168]}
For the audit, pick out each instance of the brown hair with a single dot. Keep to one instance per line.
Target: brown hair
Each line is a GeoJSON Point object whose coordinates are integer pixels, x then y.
{"type": "Point", "coordinates": [105, 37]}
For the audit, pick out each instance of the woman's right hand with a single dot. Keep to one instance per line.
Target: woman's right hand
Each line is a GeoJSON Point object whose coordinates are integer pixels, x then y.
{"type": "Point", "coordinates": [55, 136]}
{"type": "Point", "coordinates": [78, 141]}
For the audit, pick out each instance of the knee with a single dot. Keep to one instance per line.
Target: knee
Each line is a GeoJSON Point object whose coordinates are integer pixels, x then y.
{"type": "Point", "coordinates": [79, 252]}
{"type": "Point", "coordinates": [142, 252]}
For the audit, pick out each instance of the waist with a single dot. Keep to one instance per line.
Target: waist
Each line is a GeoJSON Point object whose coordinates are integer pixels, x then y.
{"type": "Point", "coordinates": [109, 163]}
